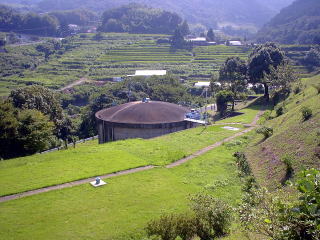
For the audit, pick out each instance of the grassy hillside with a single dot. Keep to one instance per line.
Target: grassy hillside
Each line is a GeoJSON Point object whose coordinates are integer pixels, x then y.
{"type": "Point", "coordinates": [92, 159]}
{"type": "Point", "coordinates": [121, 209]}
{"type": "Point", "coordinates": [297, 139]}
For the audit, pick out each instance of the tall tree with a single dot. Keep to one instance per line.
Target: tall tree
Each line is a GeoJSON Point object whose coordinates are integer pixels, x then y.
{"type": "Point", "coordinates": [185, 30]}
{"type": "Point", "coordinates": [262, 60]}
{"type": "Point", "coordinates": [234, 74]}
{"type": "Point", "coordinates": [210, 35]}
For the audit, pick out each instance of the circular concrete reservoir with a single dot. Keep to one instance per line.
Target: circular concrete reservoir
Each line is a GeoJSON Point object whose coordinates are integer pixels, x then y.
{"type": "Point", "coordinates": [141, 119]}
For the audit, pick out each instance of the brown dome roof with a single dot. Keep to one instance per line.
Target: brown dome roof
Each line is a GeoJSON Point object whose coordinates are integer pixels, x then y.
{"type": "Point", "coordinates": [152, 112]}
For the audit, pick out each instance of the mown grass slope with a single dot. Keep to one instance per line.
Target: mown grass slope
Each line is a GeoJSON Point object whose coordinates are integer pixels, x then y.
{"type": "Point", "coordinates": [293, 137]}
{"type": "Point", "coordinates": [92, 159]}
{"type": "Point", "coordinates": [121, 209]}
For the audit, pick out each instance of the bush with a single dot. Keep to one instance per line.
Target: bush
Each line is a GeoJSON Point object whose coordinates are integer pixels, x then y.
{"type": "Point", "coordinates": [213, 217]}
{"type": "Point", "coordinates": [278, 218]}
{"type": "Point", "coordinates": [265, 131]}
{"type": "Point", "coordinates": [242, 163]}
{"type": "Point", "coordinates": [306, 113]}
{"type": "Point", "coordinates": [165, 227]}
{"type": "Point", "coordinates": [280, 110]}
{"type": "Point", "coordinates": [287, 160]}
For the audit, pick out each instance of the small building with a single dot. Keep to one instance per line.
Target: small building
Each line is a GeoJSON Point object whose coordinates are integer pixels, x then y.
{"type": "Point", "coordinates": [235, 43]}
{"type": "Point", "coordinates": [200, 41]}
{"type": "Point", "coordinates": [149, 73]}
{"type": "Point", "coordinates": [202, 84]}
{"type": "Point", "coordinates": [141, 119]}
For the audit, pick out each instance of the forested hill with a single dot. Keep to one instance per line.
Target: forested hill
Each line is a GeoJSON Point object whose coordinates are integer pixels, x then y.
{"type": "Point", "coordinates": [135, 18]}
{"type": "Point", "coordinates": [207, 12]}
{"type": "Point", "coordinates": [297, 23]}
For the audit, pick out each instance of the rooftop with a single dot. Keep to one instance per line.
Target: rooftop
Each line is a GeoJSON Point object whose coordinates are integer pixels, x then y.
{"type": "Point", "coordinates": [150, 73]}
{"type": "Point", "coordinates": [152, 112]}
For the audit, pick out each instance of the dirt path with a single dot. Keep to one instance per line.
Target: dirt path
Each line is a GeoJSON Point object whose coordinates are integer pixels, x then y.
{"type": "Point", "coordinates": [134, 170]}
{"type": "Point", "coordinates": [76, 83]}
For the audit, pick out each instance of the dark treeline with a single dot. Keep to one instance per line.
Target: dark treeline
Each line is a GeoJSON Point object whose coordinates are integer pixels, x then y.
{"type": "Point", "coordinates": [79, 16]}
{"type": "Point", "coordinates": [298, 23]}
{"type": "Point", "coordinates": [136, 18]}
{"type": "Point", "coordinates": [30, 23]}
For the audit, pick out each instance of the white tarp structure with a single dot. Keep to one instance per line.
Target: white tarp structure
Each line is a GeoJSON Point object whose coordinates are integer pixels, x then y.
{"type": "Point", "coordinates": [150, 73]}
{"type": "Point", "coordinates": [202, 84]}
{"type": "Point", "coordinates": [235, 43]}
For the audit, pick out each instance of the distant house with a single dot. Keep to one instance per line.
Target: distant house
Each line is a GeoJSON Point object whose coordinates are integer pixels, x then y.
{"type": "Point", "coordinates": [149, 73]}
{"type": "Point", "coordinates": [202, 84]}
{"type": "Point", "coordinates": [235, 43]}
{"type": "Point", "coordinates": [200, 41]}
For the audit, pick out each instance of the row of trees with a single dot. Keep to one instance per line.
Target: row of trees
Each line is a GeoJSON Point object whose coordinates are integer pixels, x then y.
{"type": "Point", "coordinates": [135, 18]}
{"type": "Point", "coordinates": [29, 23]}
{"type": "Point", "coordinates": [266, 65]}
{"type": "Point", "coordinates": [32, 120]}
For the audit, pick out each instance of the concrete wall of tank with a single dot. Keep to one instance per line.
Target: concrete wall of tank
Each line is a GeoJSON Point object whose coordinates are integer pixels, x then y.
{"type": "Point", "coordinates": [119, 131]}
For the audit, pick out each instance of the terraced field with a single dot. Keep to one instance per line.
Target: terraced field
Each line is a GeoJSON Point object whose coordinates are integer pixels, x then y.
{"type": "Point", "coordinates": [119, 55]}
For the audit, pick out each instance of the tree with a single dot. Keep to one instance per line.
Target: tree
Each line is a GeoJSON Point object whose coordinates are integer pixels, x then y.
{"type": "Point", "coordinates": [222, 99]}
{"type": "Point", "coordinates": [184, 28]}
{"type": "Point", "coordinates": [210, 35]}
{"type": "Point", "coordinates": [23, 131]}
{"type": "Point", "coordinates": [35, 130]}
{"type": "Point", "coordinates": [262, 60]}
{"type": "Point", "coordinates": [313, 57]}
{"type": "Point", "coordinates": [37, 97]}
{"type": "Point", "coordinates": [177, 40]}
{"type": "Point", "coordinates": [234, 73]}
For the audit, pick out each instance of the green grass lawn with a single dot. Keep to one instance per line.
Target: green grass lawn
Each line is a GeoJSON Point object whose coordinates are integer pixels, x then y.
{"type": "Point", "coordinates": [248, 113]}
{"type": "Point", "coordinates": [91, 159]}
{"type": "Point", "coordinates": [121, 209]}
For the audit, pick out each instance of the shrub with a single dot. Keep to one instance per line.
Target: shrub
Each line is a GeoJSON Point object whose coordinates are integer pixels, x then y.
{"type": "Point", "coordinates": [287, 160]}
{"type": "Point", "coordinates": [280, 110]}
{"type": "Point", "coordinates": [317, 87]}
{"type": "Point", "coordinates": [242, 163]}
{"type": "Point", "coordinates": [265, 131]}
{"type": "Point", "coordinates": [165, 227]}
{"type": "Point", "coordinates": [306, 113]}
{"type": "Point", "coordinates": [278, 218]}
{"type": "Point", "coordinates": [212, 216]}
{"type": "Point", "coordinates": [186, 227]}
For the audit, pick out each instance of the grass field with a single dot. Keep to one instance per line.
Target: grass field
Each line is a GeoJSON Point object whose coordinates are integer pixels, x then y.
{"type": "Point", "coordinates": [91, 159]}
{"type": "Point", "coordinates": [121, 209]}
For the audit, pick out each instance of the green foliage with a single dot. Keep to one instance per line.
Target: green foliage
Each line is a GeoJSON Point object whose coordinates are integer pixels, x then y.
{"type": "Point", "coordinates": [136, 18]}
{"type": "Point", "coordinates": [39, 98]}
{"type": "Point", "coordinates": [242, 163]}
{"type": "Point", "coordinates": [313, 57]}
{"type": "Point", "coordinates": [281, 219]}
{"type": "Point", "coordinates": [29, 23]}
{"type": "Point", "coordinates": [222, 99]}
{"type": "Point", "coordinates": [280, 110]}
{"type": "Point", "coordinates": [23, 132]}
{"type": "Point", "coordinates": [77, 16]}
{"type": "Point", "coordinates": [233, 73]}
{"type": "Point", "coordinates": [210, 36]}
{"type": "Point", "coordinates": [298, 23]}
{"type": "Point", "coordinates": [306, 113]}
{"type": "Point", "coordinates": [262, 61]}
{"type": "Point", "coordinates": [265, 131]}
{"type": "Point", "coordinates": [213, 217]}
{"type": "Point", "coordinates": [178, 41]}
{"type": "Point", "coordinates": [165, 227]}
